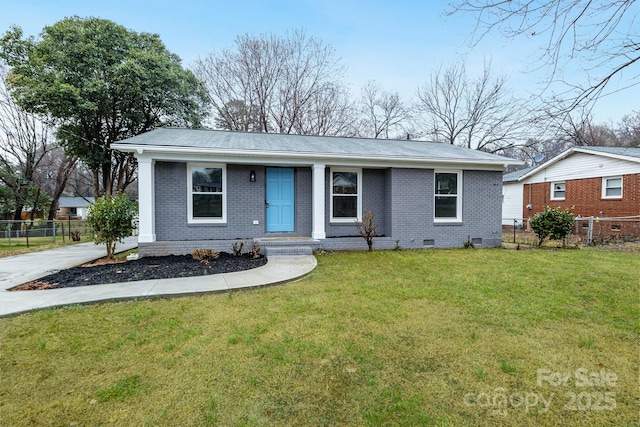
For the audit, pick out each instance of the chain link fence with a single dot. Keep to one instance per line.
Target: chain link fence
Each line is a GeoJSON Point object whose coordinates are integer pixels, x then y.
{"type": "Point", "coordinates": [588, 231]}
{"type": "Point", "coordinates": [43, 231]}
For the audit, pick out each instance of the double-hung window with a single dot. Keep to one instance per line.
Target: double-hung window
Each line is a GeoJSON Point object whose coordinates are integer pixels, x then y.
{"type": "Point", "coordinates": [346, 195]}
{"type": "Point", "coordinates": [612, 187]}
{"type": "Point", "coordinates": [558, 190]}
{"type": "Point", "coordinates": [207, 193]}
{"type": "Point", "coordinates": [448, 196]}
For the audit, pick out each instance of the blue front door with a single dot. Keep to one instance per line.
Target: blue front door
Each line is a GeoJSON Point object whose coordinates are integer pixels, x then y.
{"type": "Point", "coordinates": [280, 199]}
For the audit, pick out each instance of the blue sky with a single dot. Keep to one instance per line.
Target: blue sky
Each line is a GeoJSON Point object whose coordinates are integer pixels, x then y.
{"type": "Point", "coordinates": [396, 43]}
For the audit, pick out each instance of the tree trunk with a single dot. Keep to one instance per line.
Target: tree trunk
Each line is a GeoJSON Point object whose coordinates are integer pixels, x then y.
{"type": "Point", "coordinates": [35, 206]}
{"type": "Point", "coordinates": [62, 177]}
{"type": "Point", "coordinates": [96, 183]}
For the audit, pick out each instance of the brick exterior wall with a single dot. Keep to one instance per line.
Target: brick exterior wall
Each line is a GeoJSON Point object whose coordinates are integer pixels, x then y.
{"type": "Point", "coordinates": [413, 210]}
{"type": "Point", "coordinates": [585, 196]}
{"type": "Point", "coordinates": [373, 199]}
{"type": "Point", "coordinates": [245, 203]}
{"type": "Point", "coordinates": [402, 200]}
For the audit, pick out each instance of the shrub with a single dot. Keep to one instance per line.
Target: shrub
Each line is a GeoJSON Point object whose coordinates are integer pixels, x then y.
{"type": "Point", "coordinates": [255, 250]}
{"type": "Point", "coordinates": [237, 247]}
{"type": "Point", "coordinates": [111, 220]}
{"type": "Point", "coordinates": [554, 223]}
{"type": "Point", "coordinates": [367, 228]}
{"type": "Point", "coordinates": [468, 244]}
{"type": "Point", "coordinates": [204, 255]}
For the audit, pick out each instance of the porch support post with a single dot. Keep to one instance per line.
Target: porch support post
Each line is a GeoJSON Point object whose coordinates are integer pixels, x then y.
{"type": "Point", "coordinates": [317, 196]}
{"type": "Point", "coordinates": [146, 200]}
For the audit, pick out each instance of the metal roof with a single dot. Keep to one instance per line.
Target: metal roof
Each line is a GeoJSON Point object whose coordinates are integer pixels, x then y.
{"type": "Point", "coordinates": [216, 141]}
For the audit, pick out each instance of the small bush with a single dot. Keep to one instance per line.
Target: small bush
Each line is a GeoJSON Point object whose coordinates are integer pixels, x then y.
{"type": "Point", "coordinates": [255, 250]}
{"type": "Point", "coordinates": [367, 228]}
{"type": "Point", "coordinates": [552, 223]}
{"type": "Point", "coordinates": [237, 247]}
{"type": "Point", "coordinates": [468, 244]}
{"type": "Point", "coordinates": [111, 220]}
{"type": "Point", "coordinates": [204, 255]}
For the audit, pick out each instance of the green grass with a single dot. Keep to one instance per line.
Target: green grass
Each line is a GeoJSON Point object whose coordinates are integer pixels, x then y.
{"type": "Point", "coordinates": [19, 246]}
{"type": "Point", "coordinates": [432, 337]}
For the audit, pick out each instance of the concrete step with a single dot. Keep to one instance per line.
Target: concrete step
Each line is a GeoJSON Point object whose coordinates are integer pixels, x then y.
{"type": "Point", "coordinates": [272, 251]}
{"type": "Point", "coordinates": [288, 246]}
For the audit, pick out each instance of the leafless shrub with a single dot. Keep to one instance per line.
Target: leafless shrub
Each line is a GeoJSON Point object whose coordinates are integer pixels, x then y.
{"type": "Point", "coordinates": [204, 255]}
{"type": "Point", "coordinates": [255, 250]}
{"type": "Point", "coordinates": [237, 247]}
{"type": "Point", "coordinates": [367, 228]}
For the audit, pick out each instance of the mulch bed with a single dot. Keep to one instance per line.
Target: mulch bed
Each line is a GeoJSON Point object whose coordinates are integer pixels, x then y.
{"type": "Point", "coordinates": [147, 268]}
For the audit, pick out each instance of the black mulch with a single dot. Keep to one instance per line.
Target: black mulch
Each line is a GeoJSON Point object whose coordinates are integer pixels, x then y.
{"type": "Point", "coordinates": [146, 268]}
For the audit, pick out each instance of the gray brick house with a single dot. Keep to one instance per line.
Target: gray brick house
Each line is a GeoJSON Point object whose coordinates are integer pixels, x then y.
{"type": "Point", "coordinates": [209, 188]}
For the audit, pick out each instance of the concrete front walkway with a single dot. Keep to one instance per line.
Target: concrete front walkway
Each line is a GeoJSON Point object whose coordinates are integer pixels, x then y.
{"type": "Point", "coordinates": [20, 269]}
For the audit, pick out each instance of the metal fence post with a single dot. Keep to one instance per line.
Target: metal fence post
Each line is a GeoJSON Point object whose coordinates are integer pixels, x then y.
{"type": "Point", "coordinates": [590, 232]}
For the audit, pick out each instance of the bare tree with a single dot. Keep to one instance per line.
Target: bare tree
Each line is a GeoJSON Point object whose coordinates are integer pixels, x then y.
{"type": "Point", "coordinates": [25, 142]}
{"type": "Point", "coordinates": [330, 113]}
{"type": "Point", "coordinates": [29, 147]}
{"type": "Point", "coordinates": [236, 115]}
{"type": "Point", "coordinates": [383, 112]}
{"type": "Point", "coordinates": [600, 35]}
{"type": "Point", "coordinates": [629, 130]}
{"type": "Point", "coordinates": [475, 113]}
{"type": "Point", "coordinates": [54, 174]}
{"type": "Point", "coordinates": [268, 83]}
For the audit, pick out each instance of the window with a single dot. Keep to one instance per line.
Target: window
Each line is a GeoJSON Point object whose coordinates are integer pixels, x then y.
{"type": "Point", "coordinates": [448, 200]}
{"type": "Point", "coordinates": [346, 200]}
{"type": "Point", "coordinates": [612, 187]}
{"type": "Point", "coordinates": [207, 195]}
{"type": "Point", "coordinates": [558, 190]}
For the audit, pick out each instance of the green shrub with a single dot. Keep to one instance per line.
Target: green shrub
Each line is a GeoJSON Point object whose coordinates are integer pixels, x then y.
{"type": "Point", "coordinates": [554, 223]}
{"type": "Point", "coordinates": [111, 220]}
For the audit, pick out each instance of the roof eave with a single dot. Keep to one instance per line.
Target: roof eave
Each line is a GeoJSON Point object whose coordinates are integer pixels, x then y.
{"type": "Point", "coordinates": [569, 152]}
{"type": "Point", "coordinates": [606, 154]}
{"type": "Point", "coordinates": [161, 152]}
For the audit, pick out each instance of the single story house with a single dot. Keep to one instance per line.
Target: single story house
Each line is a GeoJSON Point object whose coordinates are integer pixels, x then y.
{"type": "Point", "coordinates": [600, 182]}
{"type": "Point", "coordinates": [209, 188]}
{"type": "Point", "coordinates": [73, 207]}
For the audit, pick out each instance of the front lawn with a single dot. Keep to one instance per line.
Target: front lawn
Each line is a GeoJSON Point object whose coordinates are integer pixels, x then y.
{"type": "Point", "coordinates": [434, 337]}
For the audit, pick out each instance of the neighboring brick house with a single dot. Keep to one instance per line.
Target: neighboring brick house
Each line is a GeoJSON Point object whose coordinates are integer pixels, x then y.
{"type": "Point", "coordinates": [601, 182]}
{"type": "Point", "coordinates": [512, 198]}
{"type": "Point", "coordinates": [206, 188]}
{"type": "Point", "coordinates": [73, 207]}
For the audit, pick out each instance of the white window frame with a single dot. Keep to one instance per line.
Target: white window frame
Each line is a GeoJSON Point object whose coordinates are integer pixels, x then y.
{"type": "Point", "coordinates": [349, 220]}
{"type": "Point", "coordinates": [553, 192]}
{"type": "Point", "coordinates": [458, 217]}
{"type": "Point", "coordinates": [190, 218]}
{"type": "Point", "coordinates": [605, 180]}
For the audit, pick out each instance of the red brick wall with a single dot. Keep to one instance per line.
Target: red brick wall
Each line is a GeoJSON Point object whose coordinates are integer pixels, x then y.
{"type": "Point", "coordinates": [585, 196]}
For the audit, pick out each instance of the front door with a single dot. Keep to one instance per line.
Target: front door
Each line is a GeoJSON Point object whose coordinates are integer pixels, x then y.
{"type": "Point", "coordinates": [280, 200]}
